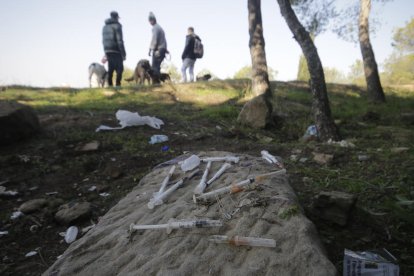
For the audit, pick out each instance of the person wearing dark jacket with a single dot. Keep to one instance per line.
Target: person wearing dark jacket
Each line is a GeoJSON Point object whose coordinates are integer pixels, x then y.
{"type": "Point", "coordinates": [188, 55]}
{"type": "Point", "coordinates": [114, 47]}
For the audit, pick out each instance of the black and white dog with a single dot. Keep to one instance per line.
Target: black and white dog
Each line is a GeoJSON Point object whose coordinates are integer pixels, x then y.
{"type": "Point", "coordinates": [99, 72]}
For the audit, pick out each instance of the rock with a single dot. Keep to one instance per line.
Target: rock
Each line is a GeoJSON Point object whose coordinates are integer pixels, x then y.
{"type": "Point", "coordinates": [17, 122]}
{"type": "Point", "coordinates": [334, 206]}
{"type": "Point", "coordinates": [322, 158]}
{"type": "Point", "coordinates": [32, 205]}
{"type": "Point", "coordinates": [74, 211]}
{"type": "Point", "coordinates": [108, 249]}
{"type": "Point", "coordinates": [363, 157]}
{"type": "Point", "coordinates": [408, 118]}
{"type": "Point", "coordinates": [88, 147]}
{"type": "Point", "coordinates": [255, 113]}
{"type": "Point", "coordinates": [399, 149]}
{"type": "Point", "coordinates": [113, 172]}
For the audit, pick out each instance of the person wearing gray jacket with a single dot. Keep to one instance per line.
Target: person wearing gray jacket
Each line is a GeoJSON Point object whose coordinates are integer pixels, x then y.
{"type": "Point", "coordinates": [114, 47]}
{"type": "Point", "coordinates": [158, 47]}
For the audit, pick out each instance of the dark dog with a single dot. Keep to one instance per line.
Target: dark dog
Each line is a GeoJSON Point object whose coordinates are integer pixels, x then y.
{"type": "Point", "coordinates": [204, 77]}
{"type": "Point", "coordinates": [163, 77]}
{"type": "Point", "coordinates": [142, 72]}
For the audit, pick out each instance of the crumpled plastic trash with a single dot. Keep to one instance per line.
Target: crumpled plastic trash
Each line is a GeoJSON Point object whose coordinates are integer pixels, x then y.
{"type": "Point", "coordinates": [158, 139]}
{"type": "Point", "coordinates": [127, 118]}
{"type": "Point", "coordinates": [311, 131]}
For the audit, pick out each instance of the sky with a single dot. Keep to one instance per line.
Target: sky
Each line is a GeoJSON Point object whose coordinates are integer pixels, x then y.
{"type": "Point", "coordinates": [52, 42]}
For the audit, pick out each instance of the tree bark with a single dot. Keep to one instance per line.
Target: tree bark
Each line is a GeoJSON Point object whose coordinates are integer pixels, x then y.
{"type": "Point", "coordinates": [320, 105]}
{"type": "Point", "coordinates": [374, 88]}
{"type": "Point", "coordinates": [258, 112]}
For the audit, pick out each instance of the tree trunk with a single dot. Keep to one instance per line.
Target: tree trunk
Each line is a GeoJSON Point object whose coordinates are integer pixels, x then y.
{"type": "Point", "coordinates": [374, 88]}
{"type": "Point", "coordinates": [257, 113]}
{"type": "Point", "coordinates": [320, 105]}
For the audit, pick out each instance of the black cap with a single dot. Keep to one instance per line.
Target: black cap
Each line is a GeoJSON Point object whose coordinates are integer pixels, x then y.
{"type": "Point", "coordinates": [114, 15]}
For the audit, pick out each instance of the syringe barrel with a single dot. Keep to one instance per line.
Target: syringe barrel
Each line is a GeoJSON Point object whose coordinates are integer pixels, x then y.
{"type": "Point", "coordinates": [158, 199]}
{"type": "Point", "coordinates": [232, 159]}
{"type": "Point", "coordinates": [203, 184]}
{"type": "Point", "coordinates": [146, 227]}
{"type": "Point", "coordinates": [238, 241]}
{"type": "Point", "coordinates": [224, 167]}
{"type": "Point", "coordinates": [254, 241]}
{"type": "Point", "coordinates": [166, 179]}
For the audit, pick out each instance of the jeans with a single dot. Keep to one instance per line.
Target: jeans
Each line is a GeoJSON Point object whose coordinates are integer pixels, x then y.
{"type": "Point", "coordinates": [188, 63]}
{"type": "Point", "coordinates": [115, 63]}
{"type": "Point", "coordinates": [157, 58]}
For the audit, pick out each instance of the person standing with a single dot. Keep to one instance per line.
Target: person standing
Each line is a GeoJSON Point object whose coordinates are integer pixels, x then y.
{"type": "Point", "coordinates": [158, 47]}
{"type": "Point", "coordinates": [188, 56]}
{"type": "Point", "coordinates": [113, 44]}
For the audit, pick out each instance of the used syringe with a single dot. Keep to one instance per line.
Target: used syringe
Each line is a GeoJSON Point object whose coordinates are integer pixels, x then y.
{"type": "Point", "coordinates": [235, 188]}
{"type": "Point", "coordinates": [158, 199]}
{"type": "Point", "coordinates": [203, 182]}
{"type": "Point", "coordinates": [237, 240]}
{"type": "Point", "coordinates": [223, 168]}
{"type": "Point", "coordinates": [270, 158]}
{"type": "Point", "coordinates": [196, 223]}
{"type": "Point", "coordinates": [166, 179]}
{"type": "Point", "coordinates": [232, 159]}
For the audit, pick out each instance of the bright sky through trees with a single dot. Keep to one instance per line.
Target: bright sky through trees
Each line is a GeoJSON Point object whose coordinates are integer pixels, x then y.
{"type": "Point", "coordinates": [52, 42]}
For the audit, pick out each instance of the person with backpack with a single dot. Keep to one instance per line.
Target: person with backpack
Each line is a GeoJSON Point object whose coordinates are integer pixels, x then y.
{"type": "Point", "coordinates": [158, 47]}
{"type": "Point", "coordinates": [192, 51]}
{"type": "Point", "coordinates": [114, 49]}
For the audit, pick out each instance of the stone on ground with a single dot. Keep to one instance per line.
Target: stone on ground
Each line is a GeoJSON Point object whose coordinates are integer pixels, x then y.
{"type": "Point", "coordinates": [255, 113]}
{"type": "Point", "coordinates": [72, 212]}
{"type": "Point", "coordinates": [269, 211]}
{"type": "Point", "coordinates": [32, 205]}
{"type": "Point", "coordinates": [17, 122]}
{"type": "Point", "coordinates": [334, 206]}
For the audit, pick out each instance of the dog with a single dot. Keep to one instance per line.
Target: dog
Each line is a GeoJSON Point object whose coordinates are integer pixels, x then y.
{"type": "Point", "coordinates": [141, 72]}
{"type": "Point", "coordinates": [100, 73]}
{"type": "Point", "coordinates": [204, 77]}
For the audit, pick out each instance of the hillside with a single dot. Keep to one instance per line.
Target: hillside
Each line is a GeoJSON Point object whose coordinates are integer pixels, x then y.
{"type": "Point", "coordinates": [379, 170]}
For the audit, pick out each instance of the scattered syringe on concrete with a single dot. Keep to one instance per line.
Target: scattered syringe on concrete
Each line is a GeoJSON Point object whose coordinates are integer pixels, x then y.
{"type": "Point", "coordinates": [231, 159]}
{"type": "Point", "coordinates": [166, 179]}
{"type": "Point", "coordinates": [196, 223]}
{"type": "Point", "coordinates": [223, 168]}
{"type": "Point", "coordinates": [235, 188]}
{"type": "Point", "coordinates": [237, 240]}
{"type": "Point", "coordinates": [270, 158]}
{"type": "Point", "coordinates": [199, 189]}
{"type": "Point", "coordinates": [158, 199]}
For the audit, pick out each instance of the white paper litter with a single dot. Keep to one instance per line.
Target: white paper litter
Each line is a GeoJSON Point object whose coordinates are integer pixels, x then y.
{"type": "Point", "coordinates": [71, 234]}
{"type": "Point", "coordinates": [16, 215]}
{"type": "Point", "coordinates": [2, 233]}
{"type": "Point", "coordinates": [127, 118]}
{"type": "Point", "coordinates": [31, 253]}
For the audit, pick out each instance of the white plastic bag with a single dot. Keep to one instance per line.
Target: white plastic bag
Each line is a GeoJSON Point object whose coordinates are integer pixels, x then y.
{"type": "Point", "coordinates": [127, 118]}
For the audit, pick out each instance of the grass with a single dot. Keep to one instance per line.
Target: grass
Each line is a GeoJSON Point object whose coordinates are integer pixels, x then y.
{"type": "Point", "coordinates": [383, 183]}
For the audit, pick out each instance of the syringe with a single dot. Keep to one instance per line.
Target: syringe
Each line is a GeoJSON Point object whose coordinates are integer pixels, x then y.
{"type": "Point", "coordinates": [237, 240]}
{"type": "Point", "coordinates": [158, 199]}
{"type": "Point", "coordinates": [203, 184]}
{"type": "Point", "coordinates": [196, 223]}
{"type": "Point", "coordinates": [166, 179]}
{"type": "Point", "coordinates": [235, 188]}
{"type": "Point", "coordinates": [222, 169]}
{"type": "Point", "coordinates": [231, 159]}
{"type": "Point", "coordinates": [270, 158]}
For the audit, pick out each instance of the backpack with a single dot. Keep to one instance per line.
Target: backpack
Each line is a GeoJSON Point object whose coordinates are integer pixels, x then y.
{"type": "Point", "coordinates": [198, 47]}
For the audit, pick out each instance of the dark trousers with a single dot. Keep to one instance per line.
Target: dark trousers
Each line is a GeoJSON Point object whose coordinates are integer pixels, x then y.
{"type": "Point", "coordinates": [115, 63]}
{"type": "Point", "coordinates": [157, 58]}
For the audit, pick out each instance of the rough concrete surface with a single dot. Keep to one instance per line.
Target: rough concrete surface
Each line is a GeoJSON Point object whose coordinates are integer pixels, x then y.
{"type": "Point", "coordinates": [268, 211]}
